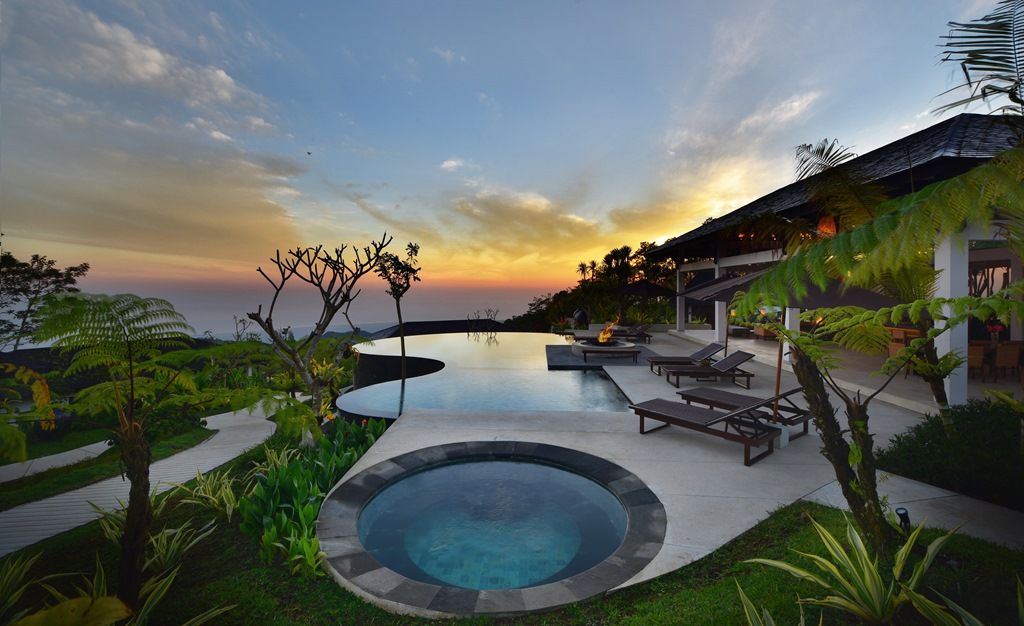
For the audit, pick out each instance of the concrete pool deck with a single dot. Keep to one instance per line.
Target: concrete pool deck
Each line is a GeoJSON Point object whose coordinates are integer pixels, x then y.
{"type": "Point", "coordinates": [709, 496]}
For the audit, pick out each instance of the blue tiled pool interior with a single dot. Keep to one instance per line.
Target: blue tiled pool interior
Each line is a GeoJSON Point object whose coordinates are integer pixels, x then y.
{"type": "Point", "coordinates": [492, 524]}
{"type": "Point", "coordinates": [499, 371]}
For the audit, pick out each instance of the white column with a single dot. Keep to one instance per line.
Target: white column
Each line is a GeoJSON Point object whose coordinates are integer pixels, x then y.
{"type": "Point", "coordinates": [792, 322]}
{"type": "Point", "coordinates": [680, 302]}
{"type": "Point", "coordinates": [1016, 330]}
{"type": "Point", "coordinates": [721, 312]}
{"type": "Point", "coordinates": [951, 262]}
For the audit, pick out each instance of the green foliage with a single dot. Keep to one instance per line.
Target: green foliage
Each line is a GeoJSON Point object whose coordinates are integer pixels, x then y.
{"type": "Point", "coordinates": [988, 53]}
{"type": "Point", "coordinates": [23, 287]}
{"type": "Point", "coordinates": [12, 440]}
{"type": "Point", "coordinates": [397, 272]}
{"type": "Point", "coordinates": [111, 522]}
{"type": "Point", "coordinates": [855, 582]}
{"type": "Point", "coordinates": [821, 157]}
{"type": "Point", "coordinates": [79, 612]}
{"type": "Point", "coordinates": [975, 451]}
{"type": "Point", "coordinates": [168, 546]}
{"type": "Point", "coordinates": [281, 506]}
{"type": "Point", "coordinates": [14, 582]}
{"type": "Point", "coordinates": [112, 331]}
{"type": "Point", "coordinates": [215, 491]}
{"type": "Point", "coordinates": [903, 234]}
{"type": "Point", "coordinates": [764, 618]}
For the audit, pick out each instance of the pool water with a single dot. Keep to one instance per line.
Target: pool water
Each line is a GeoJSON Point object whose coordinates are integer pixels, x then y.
{"type": "Point", "coordinates": [499, 371]}
{"type": "Point", "coordinates": [492, 524]}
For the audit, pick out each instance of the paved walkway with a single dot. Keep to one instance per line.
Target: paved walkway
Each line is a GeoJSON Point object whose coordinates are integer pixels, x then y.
{"type": "Point", "coordinates": [26, 524]}
{"type": "Point", "coordinates": [14, 471]}
{"type": "Point", "coordinates": [708, 495]}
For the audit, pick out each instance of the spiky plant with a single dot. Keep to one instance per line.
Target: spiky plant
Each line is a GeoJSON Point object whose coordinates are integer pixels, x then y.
{"type": "Point", "coordinates": [121, 335]}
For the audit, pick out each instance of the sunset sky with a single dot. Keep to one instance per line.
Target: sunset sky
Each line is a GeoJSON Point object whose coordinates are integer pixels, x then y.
{"type": "Point", "coordinates": [176, 145]}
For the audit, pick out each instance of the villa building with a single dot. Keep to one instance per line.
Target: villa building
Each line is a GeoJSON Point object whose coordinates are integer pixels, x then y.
{"type": "Point", "coordinates": [977, 263]}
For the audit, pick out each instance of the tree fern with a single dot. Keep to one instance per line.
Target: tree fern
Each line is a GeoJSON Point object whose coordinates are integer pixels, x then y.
{"type": "Point", "coordinates": [904, 236]}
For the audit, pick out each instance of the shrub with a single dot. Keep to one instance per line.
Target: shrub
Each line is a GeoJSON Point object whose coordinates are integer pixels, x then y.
{"type": "Point", "coordinates": [281, 507]}
{"type": "Point", "coordinates": [976, 454]}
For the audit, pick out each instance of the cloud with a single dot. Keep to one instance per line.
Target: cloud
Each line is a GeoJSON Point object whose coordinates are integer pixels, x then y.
{"type": "Point", "coordinates": [60, 40]}
{"type": "Point", "coordinates": [141, 189]}
{"type": "Point", "coordinates": [453, 164]}
{"type": "Point", "coordinates": [257, 123]}
{"type": "Point", "coordinates": [448, 56]}
{"type": "Point", "coordinates": [219, 136]}
{"type": "Point", "coordinates": [775, 116]}
{"type": "Point", "coordinates": [489, 101]}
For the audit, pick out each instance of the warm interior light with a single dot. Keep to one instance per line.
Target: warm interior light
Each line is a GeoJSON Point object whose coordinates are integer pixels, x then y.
{"type": "Point", "coordinates": [826, 226]}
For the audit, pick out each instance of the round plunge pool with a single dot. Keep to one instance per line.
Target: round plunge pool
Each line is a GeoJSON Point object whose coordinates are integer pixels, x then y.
{"type": "Point", "coordinates": [489, 528]}
{"type": "Point", "coordinates": [492, 524]}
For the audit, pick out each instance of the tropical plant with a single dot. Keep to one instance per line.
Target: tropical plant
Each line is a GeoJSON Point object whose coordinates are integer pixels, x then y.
{"type": "Point", "coordinates": [214, 491]}
{"type": "Point", "coordinates": [121, 335]}
{"type": "Point", "coordinates": [764, 618]}
{"type": "Point", "coordinates": [399, 274]}
{"type": "Point", "coordinates": [854, 580]}
{"type": "Point", "coordinates": [335, 278]}
{"type": "Point", "coordinates": [988, 51]}
{"type": "Point", "coordinates": [12, 439]}
{"type": "Point", "coordinates": [152, 592]}
{"type": "Point", "coordinates": [24, 285]}
{"type": "Point", "coordinates": [280, 508]}
{"type": "Point", "coordinates": [112, 521]}
{"type": "Point", "coordinates": [169, 545]}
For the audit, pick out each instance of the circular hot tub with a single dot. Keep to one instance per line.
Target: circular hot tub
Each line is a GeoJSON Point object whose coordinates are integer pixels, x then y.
{"type": "Point", "coordinates": [492, 524]}
{"type": "Point", "coordinates": [489, 528]}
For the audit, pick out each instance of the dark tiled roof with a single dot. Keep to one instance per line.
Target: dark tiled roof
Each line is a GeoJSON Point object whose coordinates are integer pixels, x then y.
{"type": "Point", "coordinates": [967, 136]}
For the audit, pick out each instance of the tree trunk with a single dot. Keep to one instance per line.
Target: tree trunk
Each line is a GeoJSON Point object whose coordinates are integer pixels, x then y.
{"type": "Point", "coordinates": [860, 497]}
{"type": "Point", "coordinates": [401, 338]}
{"type": "Point", "coordinates": [871, 518]}
{"type": "Point", "coordinates": [136, 456]}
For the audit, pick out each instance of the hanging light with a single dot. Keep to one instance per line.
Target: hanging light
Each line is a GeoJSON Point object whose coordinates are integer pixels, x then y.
{"type": "Point", "coordinates": [826, 226]}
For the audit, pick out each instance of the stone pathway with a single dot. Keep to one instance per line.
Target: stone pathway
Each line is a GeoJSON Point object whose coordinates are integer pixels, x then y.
{"type": "Point", "coordinates": [14, 471]}
{"type": "Point", "coordinates": [26, 524]}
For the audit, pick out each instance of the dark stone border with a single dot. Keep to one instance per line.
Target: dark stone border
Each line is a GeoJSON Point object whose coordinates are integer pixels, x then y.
{"type": "Point", "coordinates": [563, 358]}
{"type": "Point", "coordinates": [359, 572]}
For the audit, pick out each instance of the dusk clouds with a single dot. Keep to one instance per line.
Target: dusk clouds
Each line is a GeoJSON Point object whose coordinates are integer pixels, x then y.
{"type": "Point", "coordinates": [510, 141]}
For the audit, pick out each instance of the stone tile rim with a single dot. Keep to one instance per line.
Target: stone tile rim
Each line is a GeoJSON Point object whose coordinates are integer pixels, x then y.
{"type": "Point", "coordinates": [354, 494]}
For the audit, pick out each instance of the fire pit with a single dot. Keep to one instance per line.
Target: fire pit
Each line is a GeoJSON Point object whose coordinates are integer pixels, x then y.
{"type": "Point", "coordinates": [596, 345]}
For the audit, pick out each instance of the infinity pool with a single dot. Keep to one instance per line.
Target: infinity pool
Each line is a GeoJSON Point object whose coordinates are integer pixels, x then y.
{"type": "Point", "coordinates": [496, 371]}
{"type": "Point", "coordinates": [492, 525]}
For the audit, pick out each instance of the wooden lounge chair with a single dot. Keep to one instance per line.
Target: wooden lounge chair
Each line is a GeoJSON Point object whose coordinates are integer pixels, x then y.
{"type": "Point", "coordinates": [728, 367]}
{"type": "Point", "coordinates": [700, 355]}
{"type": "Point", "coordinates": [635, 333]}
{"type": "Point", "coordinates": [788, 413]}
{"type": "Point", "coordinates": [747, 425]}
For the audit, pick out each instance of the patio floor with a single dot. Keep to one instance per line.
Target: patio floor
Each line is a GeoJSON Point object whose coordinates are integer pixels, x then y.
{"type": "Point", "coordinates": [708, 494]}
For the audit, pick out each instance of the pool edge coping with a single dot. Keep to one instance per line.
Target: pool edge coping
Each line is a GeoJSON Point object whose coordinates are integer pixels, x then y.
{"type": "Point", "coordinates": [357, 571]}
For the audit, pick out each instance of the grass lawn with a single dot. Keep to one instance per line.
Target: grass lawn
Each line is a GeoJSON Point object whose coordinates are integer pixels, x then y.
{"type": "Point", "coordinates": [70, 441]}
{"type": "Point", "coordinates": [106, 465]}
{"type": "Point", "coordinates": [226, 570]}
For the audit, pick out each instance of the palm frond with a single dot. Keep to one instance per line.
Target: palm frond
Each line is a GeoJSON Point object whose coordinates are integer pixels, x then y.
{"type": "Point", "coordinates": [824, 155]}
{"type": "Point", "coordinates": [990, 53]}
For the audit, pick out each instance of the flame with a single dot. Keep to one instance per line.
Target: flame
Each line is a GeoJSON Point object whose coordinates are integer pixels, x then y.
{"type": "Point", "coordinates": [606, 333]}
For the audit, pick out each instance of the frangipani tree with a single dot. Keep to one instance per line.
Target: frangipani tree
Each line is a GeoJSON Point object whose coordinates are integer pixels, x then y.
{"type": "Point", "coordinates": [400, 274]}
{"type": "Point", "coordinates": [334, 274]}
